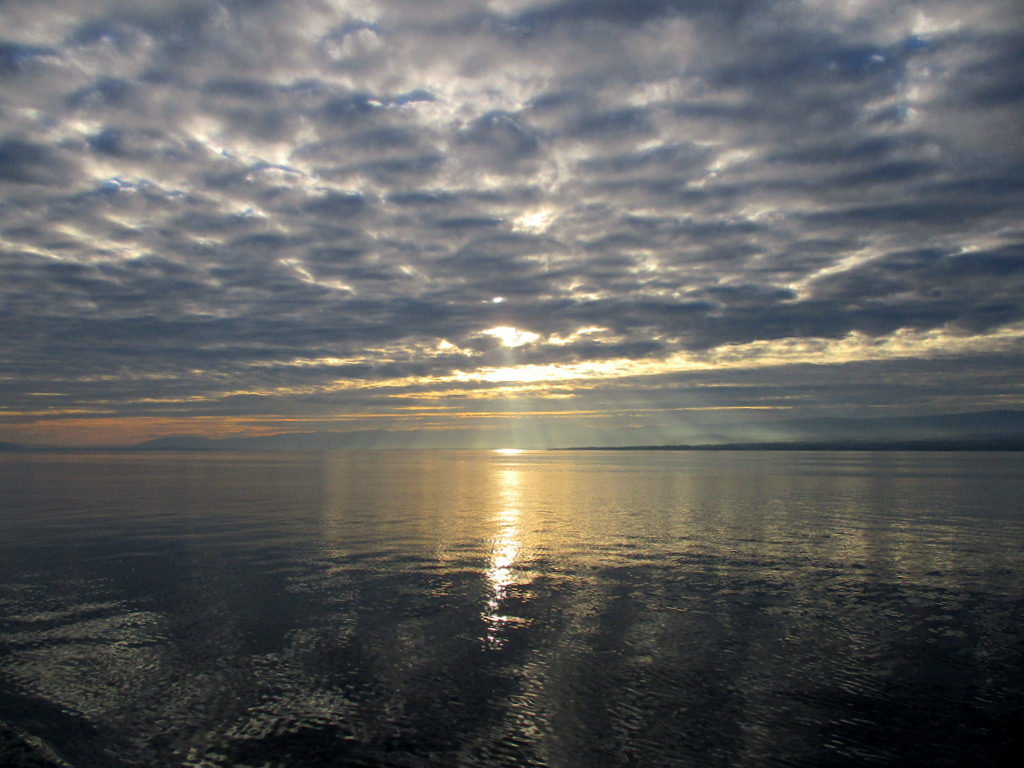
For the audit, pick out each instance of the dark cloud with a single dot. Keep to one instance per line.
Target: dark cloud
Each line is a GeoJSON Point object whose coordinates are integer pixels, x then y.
{"type": "Point", "coordinates": [18, 58]}
{"type": "Point", "coordinates": [27, 162]}
{"type": "Point", "coordinates": [993, 78]}
{"type": "Point", "coordinates": [627, 13]}
{"type": "Point", "coordinates": [499, 139]}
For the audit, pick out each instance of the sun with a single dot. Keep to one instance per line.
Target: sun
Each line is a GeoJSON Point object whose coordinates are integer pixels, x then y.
{"type": "Point", "coordinates": [511, 337]}
{"type": "Point", "coordinates": [508, 451]}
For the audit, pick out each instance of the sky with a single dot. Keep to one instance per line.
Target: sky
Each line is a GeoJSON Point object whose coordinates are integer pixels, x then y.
{"type": "Point", "coordinates": [519, 223]}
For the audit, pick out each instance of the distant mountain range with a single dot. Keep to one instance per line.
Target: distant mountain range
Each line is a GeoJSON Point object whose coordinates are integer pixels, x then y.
{"type": "Point", "coordinates": [960, 426]}
{"type": "Point", "coordinates": [987, 430]}
{"type": "Point", "coordinates": [937, 444]}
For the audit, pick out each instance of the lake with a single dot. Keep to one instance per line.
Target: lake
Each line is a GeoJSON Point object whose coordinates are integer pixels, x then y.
{"type": "Point", "coordinates": [445, 608]}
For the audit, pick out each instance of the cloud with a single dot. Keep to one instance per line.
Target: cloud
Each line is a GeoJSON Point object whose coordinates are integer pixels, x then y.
{"type": "Point", "coordinates": [26, 162]}
{"type": "Point", "coordinates": [195, 196]}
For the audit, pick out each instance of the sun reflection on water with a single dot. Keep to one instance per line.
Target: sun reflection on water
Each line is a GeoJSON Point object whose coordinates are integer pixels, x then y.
{"type": "Point", "coordinates": [505, 549]}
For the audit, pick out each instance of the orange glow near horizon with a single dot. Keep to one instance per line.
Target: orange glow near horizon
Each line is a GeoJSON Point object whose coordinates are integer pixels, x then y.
{"type": "Point", "coordinates": [123, 430]}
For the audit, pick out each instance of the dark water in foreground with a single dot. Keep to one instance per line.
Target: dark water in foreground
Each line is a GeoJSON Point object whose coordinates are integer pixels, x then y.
{"type": "Point", "coordinates": [478, 609]}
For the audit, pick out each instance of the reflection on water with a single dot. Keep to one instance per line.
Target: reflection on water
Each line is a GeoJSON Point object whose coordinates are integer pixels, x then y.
{"type": "Point", "coordinates": [504, 549]}
{"type": "Point", "coordinates": [472, 609]}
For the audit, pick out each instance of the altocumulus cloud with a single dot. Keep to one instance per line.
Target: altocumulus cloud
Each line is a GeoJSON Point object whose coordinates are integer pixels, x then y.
{"type": "Point", "coordinates": [257, 216]}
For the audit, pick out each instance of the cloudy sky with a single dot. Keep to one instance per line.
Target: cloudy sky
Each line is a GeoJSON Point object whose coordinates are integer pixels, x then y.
{"type": "Point", "coordinates": [473, 222]}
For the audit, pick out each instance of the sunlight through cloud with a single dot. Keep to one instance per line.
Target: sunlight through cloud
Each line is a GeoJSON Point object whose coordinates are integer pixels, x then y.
{"type": "Point", "coordinates": [511, 337]}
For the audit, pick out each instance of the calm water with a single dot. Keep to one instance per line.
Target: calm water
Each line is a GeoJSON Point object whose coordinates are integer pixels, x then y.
{"type": "Point", "coordinates": [477, 609]}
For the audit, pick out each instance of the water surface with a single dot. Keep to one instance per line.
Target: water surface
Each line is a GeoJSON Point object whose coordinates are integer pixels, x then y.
{"type": "Point", "coordinates": [478, 609]}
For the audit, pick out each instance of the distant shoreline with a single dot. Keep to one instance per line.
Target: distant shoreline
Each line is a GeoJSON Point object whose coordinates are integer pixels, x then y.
{"type": "Point", "coordinates": [1011, 444]}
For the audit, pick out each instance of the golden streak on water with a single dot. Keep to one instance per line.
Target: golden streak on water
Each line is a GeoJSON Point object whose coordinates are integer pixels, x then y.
{"type": "Point", "coordinates": [504, 551]}
{"type": "Point", "coordinates": [508, 451]}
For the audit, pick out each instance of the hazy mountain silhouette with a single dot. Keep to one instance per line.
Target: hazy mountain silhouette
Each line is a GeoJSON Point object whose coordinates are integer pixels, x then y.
{"type": "Point", "coordinates": [994, 430]}
{"type": "Point", "coordinates": [959, 426]}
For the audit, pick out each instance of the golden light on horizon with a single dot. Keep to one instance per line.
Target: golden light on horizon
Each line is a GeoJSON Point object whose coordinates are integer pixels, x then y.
{"type": "Point", "coordinates": [99, 423]}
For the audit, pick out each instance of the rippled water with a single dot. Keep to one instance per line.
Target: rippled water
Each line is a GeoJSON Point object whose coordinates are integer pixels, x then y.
{"type": "Point", "coordinates": [478, 609]}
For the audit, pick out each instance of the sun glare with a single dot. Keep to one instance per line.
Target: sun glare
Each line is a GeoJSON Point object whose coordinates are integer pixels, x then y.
{"type": "Point", "coordinates": [511, 337]}
{"type": "Point", "coordinates": [508, 451]}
